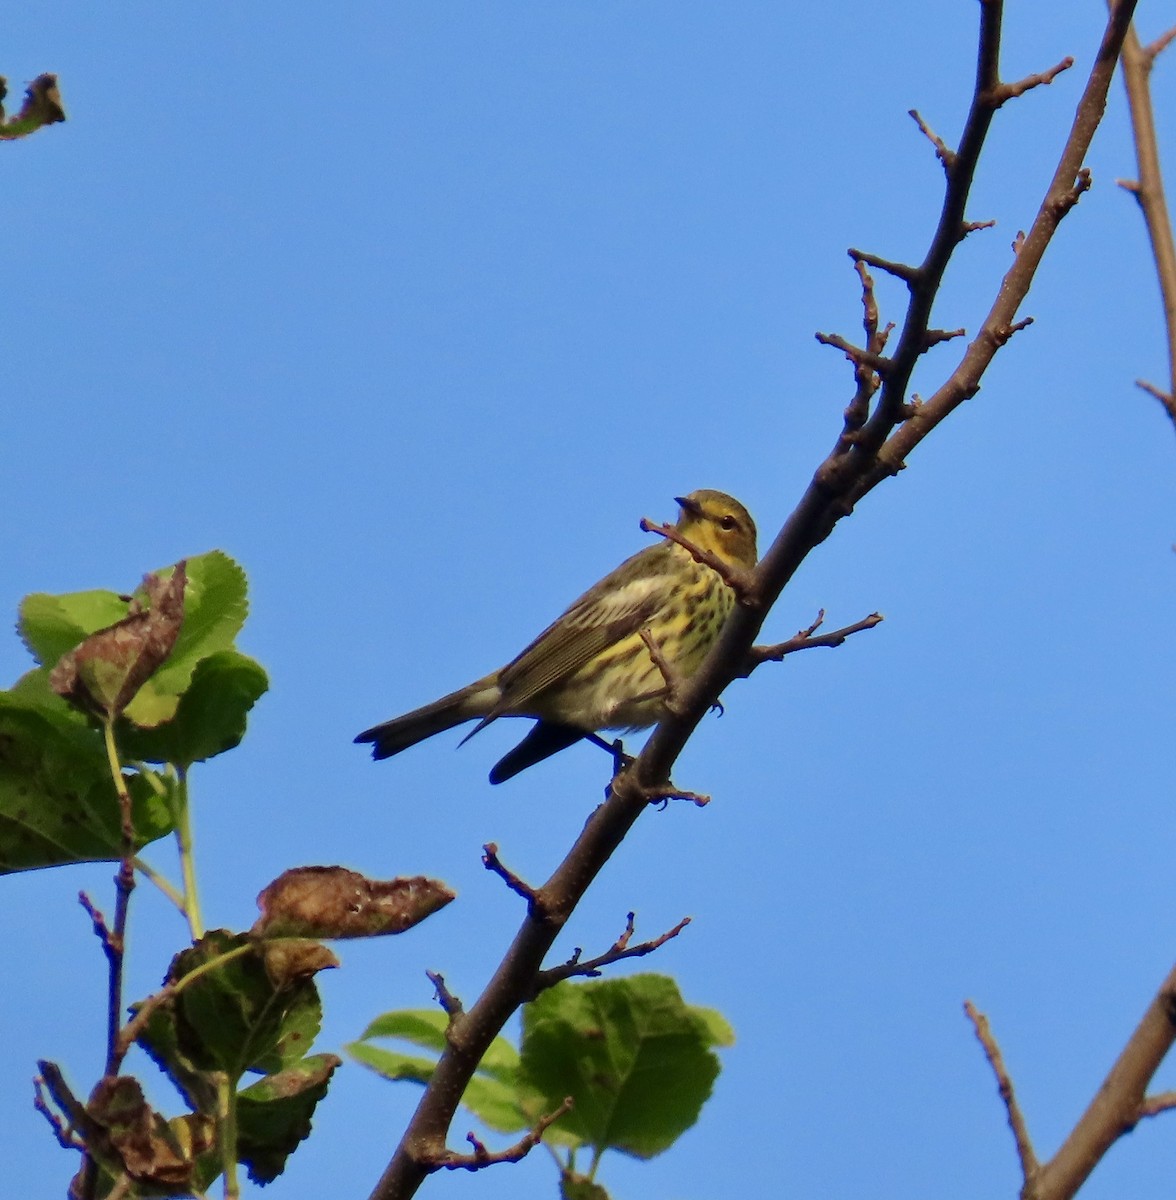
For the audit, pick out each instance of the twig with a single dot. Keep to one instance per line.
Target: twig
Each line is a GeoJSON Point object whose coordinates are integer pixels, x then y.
{"type": "Point", "coordinates": [804, 640]}
{"type": "Point", "coordinates": [492, 862]}
{"type": "Point", "coordinates": [903, 271]}
{"type": "Point", "coordinates": [735, 578]}
{"type": "Point", "coordinates": [1006, 331]}
{"type": "Point", "coordinates": [618, 950]}
{"type": "Point", "coordinates": [672, 678]}
{"type": "Point", "coordinates": [448, 1001]}
{"type": "Point", "coordinates": [1070, 179]}
{"type": "Point", "coordinates": [1165, 398]}
{"type": "Point", "coordinates": [934, 337]}
{"type": "Point", "coordinates": [481, 1157]}
{"type": "Point", "coordinates": [1153, 1106]}
{"type": "Point", "coordinates": [1004, 1085]}
{"type": "Point", "coordinates": [946, 157]}
{"type": "Point", "coordinates": [1009, 91]}
{"type": "Point", "coordinates": [627, 786]}
{"type": "Point", "coordinates": [856, 354]}
{"type": "Point", "coordinates": [1149, 192]}
{"type": "Point", "coordinates": [1154, 49]}
{"type": "Point", "coordinates": [60, 1130]}
{"type": "Point", "coordinates": [124, 885]}
{"type": "Point", "coordinates": [101, 929]}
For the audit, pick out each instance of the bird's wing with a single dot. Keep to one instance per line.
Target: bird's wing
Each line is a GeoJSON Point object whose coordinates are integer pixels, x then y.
{"type": "Point", "coordinates": [614, 609]}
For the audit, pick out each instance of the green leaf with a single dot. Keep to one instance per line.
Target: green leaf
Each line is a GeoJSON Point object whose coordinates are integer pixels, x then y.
{"type": "Point", "coordinates": [421, 1026]}
{"type": "Point", "coordinates": [579, 1187]}
{"type": "Point", "coordinates": [57, 799]}
{"type": "Point", "coordinates": [426, 1027]}
{"type": "Point", "coordinates": [493, 1095]}
{"type": "Point", "coordinates": [210, 715]}
{"type": "Point", "coordinates": [274, 1114]}
{"type": "Point", "coordinates": [494, 1102]}
{"type": "Point", "coordinates": [718, 1028]}
{"type": "Point", "coordinates": [51, 626]}
{"type": "Point", "coordinates": [106, 671]}
{"type": "Point", "coordinates": [234, 1018]}
{"type": "Point", "coordinates": [633, 1056]}
{"type": "Point", "coordinates": [392, 1064]}
{"type": "Point", "coordinates": [215, 607]}
{"type": "Point", "coordinates": [160, 1039]}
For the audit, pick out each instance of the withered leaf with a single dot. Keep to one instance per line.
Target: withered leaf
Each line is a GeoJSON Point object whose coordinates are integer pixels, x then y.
{"type": "Point", "coordinates": [42, 106]}
{"type": "Point", "coordinates": [103, 673]}
{"type": "Point", "coordinates": [333, 902]}
{"type": "Point", "coordinates": [141, 1139]}
{"type": "Point", "coordinates": [289, 959]}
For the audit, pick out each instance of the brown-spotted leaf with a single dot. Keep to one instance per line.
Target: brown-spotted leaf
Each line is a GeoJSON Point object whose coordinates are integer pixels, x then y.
{"type": "Point", "coordinates": [42, 106]}
{"type": "Point", "coordinates": [289, 959]}
{"type": "Point", "coordinates": [104, 672]}
{"type": "Point", "coordinates": [274, 1115]}
{"type": "Point", "coordinates": [137, 1135]}
{"type": "Point", "coordinates": [333, 902]}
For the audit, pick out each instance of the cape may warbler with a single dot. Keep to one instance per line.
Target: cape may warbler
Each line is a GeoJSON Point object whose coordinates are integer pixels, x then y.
{"type": "Point", "coordinates": [591, 669]}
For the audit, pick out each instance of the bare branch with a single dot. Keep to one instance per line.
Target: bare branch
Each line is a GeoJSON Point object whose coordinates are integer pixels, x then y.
{"type": "Point", "coordinates": [1117, 1105]}
{"type": "Point", "coordinates": [1004, 1085]}
{"type": "Point", "coordinates": [1069, 181]}
{"type": "Point", "coordinates": [1003, 334]}
{"type": "Point", "coordinates": [737, 580]}
{"type": "Point", "coordinates": [1008, 91]}
{"type": "Point", "coordinates": [934, 336]}
{"type": "Point", "coordinates": [481, 1157]}
{"type": "Point", "coordinates": [1154, 49]}
{"type": "Point", "coordinates": [448, 1001]}
{"type": "Point", "coordinates": [855, 354]}
{"type": "Point", "coordinates": [804, 640]}
{"type": "Point", "coordinates": [1149, 191]}
{"type": "Point", "coordinates": [61, 1131]}
{"type": "Point", "coordinates": [1165, 398]}
{"type": "Point", "coordinates": [946, 157]}
{"type": "Point", "coordinates": [492, 862]}
{"type": "Point", "coordinates": [631, 790]}
{"type": "Point", "coordinates": [618, 950]}
{"type": "Point", "coordinates": [1153, 1106]}
{"type": "Point", "coordinates": [903, 271]}
{"type": "Point", "coordinates": [852, 469]}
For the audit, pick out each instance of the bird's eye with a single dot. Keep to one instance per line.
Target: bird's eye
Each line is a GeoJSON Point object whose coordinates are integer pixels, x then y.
{"type": "Point", "coordinates": [728, 522]}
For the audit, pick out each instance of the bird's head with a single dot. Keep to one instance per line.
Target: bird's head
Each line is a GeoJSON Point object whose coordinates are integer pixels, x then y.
{"type": "Point", "coordinates": [717, 522]}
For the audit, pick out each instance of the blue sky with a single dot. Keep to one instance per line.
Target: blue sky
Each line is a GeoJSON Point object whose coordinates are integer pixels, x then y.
{"type": "Point", "coordinates": [416, 309]}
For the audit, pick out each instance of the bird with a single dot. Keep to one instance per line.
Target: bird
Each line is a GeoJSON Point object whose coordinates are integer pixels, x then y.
{"type": "Point", "coordinates": [592, 668]}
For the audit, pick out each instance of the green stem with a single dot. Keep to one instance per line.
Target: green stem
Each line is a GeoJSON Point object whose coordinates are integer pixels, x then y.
{"type": "Point", "coordinates": [164, 884]}
{"type": "Point", "coordinates": [182, 814]}
{"type": "Point", "coordinates": [597, 1151]}
{"type": "Point", "coordinates": [227, 1108]}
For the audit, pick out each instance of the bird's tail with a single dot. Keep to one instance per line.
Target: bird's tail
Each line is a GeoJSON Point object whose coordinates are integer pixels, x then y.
{"type": "Point", "coordinates": [391, 737]}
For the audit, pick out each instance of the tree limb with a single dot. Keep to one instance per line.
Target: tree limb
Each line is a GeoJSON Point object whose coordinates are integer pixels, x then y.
{"type": "Point", "coordinates": [853, 468]}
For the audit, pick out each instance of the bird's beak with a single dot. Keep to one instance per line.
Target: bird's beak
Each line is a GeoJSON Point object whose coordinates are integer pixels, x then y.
{"type": "Point", "coordinates": [689, 505]}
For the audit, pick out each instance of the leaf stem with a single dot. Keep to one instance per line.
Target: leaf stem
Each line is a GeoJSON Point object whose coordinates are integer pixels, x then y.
{"type": "Point", "coordinates": [227, 1112]}
{"type": "Point", "coordinates": [164, 884]}
{"type": "Point", "coordinates": [182, 816]}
